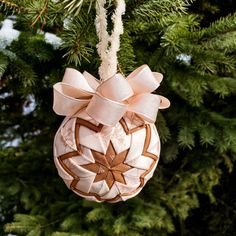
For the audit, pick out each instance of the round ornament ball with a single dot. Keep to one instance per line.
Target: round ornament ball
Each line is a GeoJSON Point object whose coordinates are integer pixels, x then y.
{"type": "Point", "coordinates": [106, 163]}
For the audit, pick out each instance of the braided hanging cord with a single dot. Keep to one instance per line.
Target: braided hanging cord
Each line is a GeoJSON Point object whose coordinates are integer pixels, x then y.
{"type": "Point", "coordinates": [108, 45]}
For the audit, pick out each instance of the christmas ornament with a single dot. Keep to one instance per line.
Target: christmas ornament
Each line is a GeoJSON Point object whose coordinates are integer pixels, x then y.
{"type": "Point", "coordinates": [107, 147]}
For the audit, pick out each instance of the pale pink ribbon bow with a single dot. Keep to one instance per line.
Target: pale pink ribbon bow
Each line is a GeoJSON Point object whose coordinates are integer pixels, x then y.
{"type": "Point", "coordinates": [108, 101]}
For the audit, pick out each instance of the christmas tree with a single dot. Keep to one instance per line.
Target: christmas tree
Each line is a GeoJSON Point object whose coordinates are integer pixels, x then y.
{"type": "Point", "coordinates": [193, 45]}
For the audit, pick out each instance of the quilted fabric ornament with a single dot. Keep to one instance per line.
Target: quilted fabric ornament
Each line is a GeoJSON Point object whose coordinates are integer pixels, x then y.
{"type": "Point", "coordinates": [107, 147]}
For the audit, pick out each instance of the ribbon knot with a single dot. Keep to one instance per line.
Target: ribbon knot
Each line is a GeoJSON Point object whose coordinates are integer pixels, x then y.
{"type": "Point", "coordinates": [108, 101]}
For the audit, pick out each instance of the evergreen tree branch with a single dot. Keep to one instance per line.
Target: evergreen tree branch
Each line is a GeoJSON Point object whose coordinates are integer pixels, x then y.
{"type": "Point", "coordinates": [10, 6]}
{"type": "Point", "coordinates": [41, 12]}
{"type": "Point", "coordinates": [73, 7]}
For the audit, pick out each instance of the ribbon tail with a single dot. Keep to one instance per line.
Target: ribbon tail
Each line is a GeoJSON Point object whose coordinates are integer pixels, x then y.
{"type": "Point", "coordinates": [165, 103]}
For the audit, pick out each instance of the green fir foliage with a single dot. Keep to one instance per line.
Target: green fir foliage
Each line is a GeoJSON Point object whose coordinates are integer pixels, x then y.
{"type": "Point", "coordinates": [191, 192]}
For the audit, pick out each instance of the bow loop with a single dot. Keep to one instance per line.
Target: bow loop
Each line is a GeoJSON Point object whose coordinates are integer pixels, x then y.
{"type": "Point", "coordinates": [116, 88]}
{"type": "Point", "coordinates": [145, 105]}
{"type": "Point", "coordinates": [143, 80]}
{"type": "Point", "coordinates": [77, 80]}
{"type": "Point", "coordinates": [64, 103]}
{"type": "Point", "coordinates": [107, 102]}
{"type": "Point", "coordinates": [105, 111]}
{"type": "Point", "coordinates": [92, 81]}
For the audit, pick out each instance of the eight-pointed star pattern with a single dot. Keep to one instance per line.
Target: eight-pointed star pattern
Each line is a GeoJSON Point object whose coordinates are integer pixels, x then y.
{"type": "Point", "coordinates": [109, 167]}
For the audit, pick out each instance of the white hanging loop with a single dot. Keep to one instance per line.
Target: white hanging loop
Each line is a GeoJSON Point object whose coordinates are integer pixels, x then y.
{"type": "Point", "coordinates": [108, 45]}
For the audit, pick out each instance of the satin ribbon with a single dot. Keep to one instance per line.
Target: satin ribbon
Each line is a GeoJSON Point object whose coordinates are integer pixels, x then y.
{"type": "Point", "coordinates": [108, 101]}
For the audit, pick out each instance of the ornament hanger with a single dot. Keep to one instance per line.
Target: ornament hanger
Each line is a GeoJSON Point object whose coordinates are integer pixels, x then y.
{"type": "Point", "coordinates": [108, 45]}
